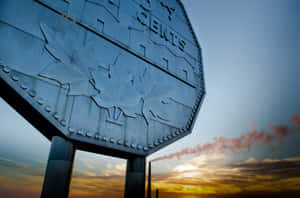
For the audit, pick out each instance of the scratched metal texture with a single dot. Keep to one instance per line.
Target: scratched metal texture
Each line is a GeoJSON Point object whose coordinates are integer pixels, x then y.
{"type": "Point", "coordinates": [123, 76]}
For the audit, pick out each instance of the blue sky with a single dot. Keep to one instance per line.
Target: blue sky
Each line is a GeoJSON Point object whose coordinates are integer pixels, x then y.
{"type": "Point", "coordinates": [251, 55]}
{"type": "Point", "coordinates": [252, 65]}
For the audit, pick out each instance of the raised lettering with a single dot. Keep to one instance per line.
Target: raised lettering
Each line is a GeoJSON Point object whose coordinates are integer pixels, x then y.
{"type": "Point", "coordinates": [101, 25]}
{"type": "Point", "coordinates": [181, 44]}
{"type": "Point", "coordinates": [155, 25]}
{"type": "Point", "coordinates": [146, 4]}
{"type": "Point", "coordinates": [173, 38]}
{"type": "Point", "coordinates": [143, 18]}
{"type": "Point", "coordinates": [169, 9]}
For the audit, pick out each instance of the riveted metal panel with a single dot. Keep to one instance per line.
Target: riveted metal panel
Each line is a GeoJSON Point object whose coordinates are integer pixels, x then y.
{"type": "Point", "coordinates": [114, 76]}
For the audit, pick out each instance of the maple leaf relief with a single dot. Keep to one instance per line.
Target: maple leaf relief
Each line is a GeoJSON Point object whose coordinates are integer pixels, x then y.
{"type": "Point", "coordinates": [132, 89]}
{"type": "Point", "coordinates": [135, 90]}
{"type": "Point", "coordinates": [69, 67]}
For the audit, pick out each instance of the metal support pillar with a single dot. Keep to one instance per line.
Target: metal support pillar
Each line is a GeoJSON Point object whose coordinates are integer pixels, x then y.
{"type": "Point", "coordinates": [59, 169]}
{"type": "Point", "coordinates": [135, 178]}
{"type": "Point", "coordinates": [149, 181]}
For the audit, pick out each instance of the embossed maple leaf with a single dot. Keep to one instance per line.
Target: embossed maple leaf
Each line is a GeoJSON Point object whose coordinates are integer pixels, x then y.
{"type": "Point", "coordinates": [135, 90]}
{"type": "Point", "coordinates": [69, 66]}
{"type": "Point", "coordinates": [132, 90]}
{"type": "Point", "coordinates": [117, 89]}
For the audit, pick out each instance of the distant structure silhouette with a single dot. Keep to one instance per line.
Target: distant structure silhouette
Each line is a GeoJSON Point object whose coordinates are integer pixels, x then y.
{"type": "Point", "coordinates": [149, 181]}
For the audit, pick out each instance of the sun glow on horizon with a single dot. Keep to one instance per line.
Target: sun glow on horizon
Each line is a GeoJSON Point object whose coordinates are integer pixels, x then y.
{"type": "Point", "coordinates": [185, 167]}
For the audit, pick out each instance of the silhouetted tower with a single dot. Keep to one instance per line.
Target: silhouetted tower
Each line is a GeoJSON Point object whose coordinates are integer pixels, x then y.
{"type": "Point", "coordinates": [149, 181]}
{"type": "Point", "coordinates": [157, 193]}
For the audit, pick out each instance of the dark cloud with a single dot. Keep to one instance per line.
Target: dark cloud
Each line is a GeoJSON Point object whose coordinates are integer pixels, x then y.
{"type": "Point", "coordinates": [289, 194]}
{"type": "Point", "coordinates": [17, 193]}
{"type": "Point", "coordinates": [21, 168]}
{"type": "Point", "coordinates": [278, 169]}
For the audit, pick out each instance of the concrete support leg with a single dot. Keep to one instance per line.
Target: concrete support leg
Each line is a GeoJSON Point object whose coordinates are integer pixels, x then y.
{"type": "Point", "coordinates": [59, 169]}
{"type": "Point", "coordinates": [135, 178]}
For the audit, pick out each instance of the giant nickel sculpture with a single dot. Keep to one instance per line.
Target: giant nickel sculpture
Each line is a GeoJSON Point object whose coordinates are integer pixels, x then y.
{"type": "Point", "coordinates": [116, 77]}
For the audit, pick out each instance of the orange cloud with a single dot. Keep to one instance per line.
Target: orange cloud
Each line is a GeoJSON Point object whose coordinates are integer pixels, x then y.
{"type": "Point", "coordinates": [110, 183]}
{"type": "Point", "coordinates": [19, 180]}
{"type": "Point", "coordinates": [206, 174]}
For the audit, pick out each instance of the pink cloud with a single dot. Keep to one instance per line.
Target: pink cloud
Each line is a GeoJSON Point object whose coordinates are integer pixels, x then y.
{"type": "Point", "coordinates": [242, 143]}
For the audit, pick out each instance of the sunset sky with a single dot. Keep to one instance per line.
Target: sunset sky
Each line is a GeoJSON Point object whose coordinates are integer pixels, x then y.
{"type": "Point", "coordinates": [246, 139]}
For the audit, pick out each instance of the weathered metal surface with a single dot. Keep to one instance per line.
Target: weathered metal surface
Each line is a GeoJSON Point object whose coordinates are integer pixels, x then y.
{"type": "Point", "coordinates": [125, 75]}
